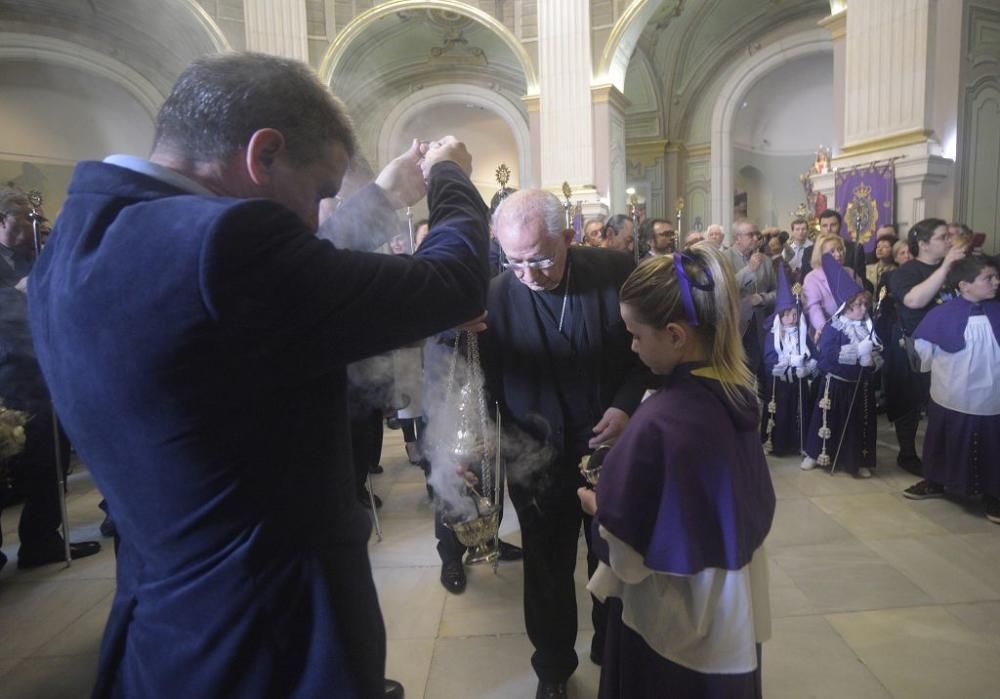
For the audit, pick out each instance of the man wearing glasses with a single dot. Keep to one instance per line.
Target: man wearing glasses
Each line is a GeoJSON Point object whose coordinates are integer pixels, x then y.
{"type": "Point", "coordinates": [557, 359]}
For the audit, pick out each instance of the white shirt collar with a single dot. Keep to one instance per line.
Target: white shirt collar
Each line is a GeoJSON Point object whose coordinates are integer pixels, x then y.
{"type": "Point", "coordinates": [158, 172]}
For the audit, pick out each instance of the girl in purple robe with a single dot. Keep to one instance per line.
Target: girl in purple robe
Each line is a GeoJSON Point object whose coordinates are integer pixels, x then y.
{"type": "Point", "coordinates": [789, 367]}
{"type": "Point", "coordinates": [685, 499]}
{"type": "Point", "coordinates": [958, 343]}
{"type": "Point", "coordinates": [842, 428]}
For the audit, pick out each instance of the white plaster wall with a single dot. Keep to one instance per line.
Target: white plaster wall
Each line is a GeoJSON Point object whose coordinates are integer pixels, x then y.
{"type": "Point", "coordinates": [487, 136]}
{"type": "Point", "coordinates": [780, 190]}
{"type": "Point", "coordinates": [60, 115]}
{"type": "Point", "coordinates": [789, 110]}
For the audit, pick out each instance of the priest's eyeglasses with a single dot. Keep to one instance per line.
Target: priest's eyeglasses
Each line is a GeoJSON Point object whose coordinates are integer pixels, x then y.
{"type": "Point", "coordinates": [523, 265]}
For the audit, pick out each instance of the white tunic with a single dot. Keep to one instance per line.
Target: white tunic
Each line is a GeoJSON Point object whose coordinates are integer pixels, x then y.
{"type": "Point", "coordinates": [967, 381]}
{"type": "Point", "coordinates": [710, 622]}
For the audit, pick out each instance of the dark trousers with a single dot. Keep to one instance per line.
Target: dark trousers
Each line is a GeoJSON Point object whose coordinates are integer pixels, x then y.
{"type": "Point", "coordinates": [906, 424]}
{"type": "Point", "coordinates": [35, 477]}
{"type": "Point", "coordinates": [366, 445]}
{"type": "Point", "coordinates": [548, 510]}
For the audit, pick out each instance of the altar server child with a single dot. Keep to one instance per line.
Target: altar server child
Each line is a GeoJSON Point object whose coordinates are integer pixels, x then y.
{"type": "Point", "coordinates": [958, 342]}
{"type": "Point", "coordinates": [683, 567]}
{"type": "Point", "coordinates": [788, 359]}
{"type": "Point", "coordinates": [841, 432]}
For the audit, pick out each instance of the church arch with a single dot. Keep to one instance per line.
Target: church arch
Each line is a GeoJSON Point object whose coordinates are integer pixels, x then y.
{"type": "Point", "coordinates": [741, 79]}
{"type": "Point", "coordinates": [460, 94]}
{"type": "Point", "coordinates": [617, 52]}
{"type": "Point", "coordinates": [344, 39]}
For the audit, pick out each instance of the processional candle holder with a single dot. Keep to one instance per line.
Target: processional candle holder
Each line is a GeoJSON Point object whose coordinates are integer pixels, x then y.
{"type": "Point", "coordinates": [567, 192]}
{"type": "Point", "coordinates": [679, 207]}
{"type": "Point", "coordinates": [503, 177]}
{"type": "Point", "coordinates": [474, 444]}
{"type": "Point", "coordinates": [633, 212]}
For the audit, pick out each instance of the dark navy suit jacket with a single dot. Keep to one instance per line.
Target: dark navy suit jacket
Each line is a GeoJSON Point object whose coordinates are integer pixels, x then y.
{"type": "Point", "coordinates": [195, 347]}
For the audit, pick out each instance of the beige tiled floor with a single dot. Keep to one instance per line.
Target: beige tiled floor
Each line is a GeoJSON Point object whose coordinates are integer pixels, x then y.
{"type": "Point", "coordinates": [873, 596]}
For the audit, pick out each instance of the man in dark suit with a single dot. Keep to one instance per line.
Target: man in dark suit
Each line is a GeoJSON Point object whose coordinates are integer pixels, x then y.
{"type": "Point", "coordinates": [22, 387]}
{"type": "Point", "coordinates": [194, 332]}
{"type": "Point", "coordinates": [831, 223]}
{"type": "Point", "coordinates": [558, 361]}
{"type": "Point", "coordinates": [798, 252]}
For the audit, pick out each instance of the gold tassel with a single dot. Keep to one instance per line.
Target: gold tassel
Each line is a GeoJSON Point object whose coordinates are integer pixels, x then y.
{"type": "Point", "coordinates": [824, 431]}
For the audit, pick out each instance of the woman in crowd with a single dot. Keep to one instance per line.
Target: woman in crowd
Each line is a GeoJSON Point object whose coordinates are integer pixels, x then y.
{"type": "Point", "coordinates": [819, 302]}
{"type": "Point", "coordinates": [683, 568]}
{"type": "Point", "coordinates": [883, 260]}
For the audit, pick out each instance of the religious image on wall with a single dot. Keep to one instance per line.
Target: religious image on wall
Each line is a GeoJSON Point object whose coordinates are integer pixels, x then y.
{"type": "Point", "coordinates": [740, 205]}
{"type": "Point", "coordinates": [865, 198]}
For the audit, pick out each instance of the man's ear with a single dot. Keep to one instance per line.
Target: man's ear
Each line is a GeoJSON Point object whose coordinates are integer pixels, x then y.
{"type": "Point", "coordinates": [262, 152]}
{"type": "Point", "coordinates": [568, 235]}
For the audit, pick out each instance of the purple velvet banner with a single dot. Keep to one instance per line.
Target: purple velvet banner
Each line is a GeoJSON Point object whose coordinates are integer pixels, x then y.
{"type": "Point", "coordinates": [865, 198]}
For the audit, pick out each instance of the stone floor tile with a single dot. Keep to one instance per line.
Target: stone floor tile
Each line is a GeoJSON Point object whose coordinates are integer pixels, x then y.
{"type": "Point", "coordinates": [922, 652]}
{"type": "Point", "coordinates": [412, 601]}
{"type": "Point", "coordinates": [877, 516]}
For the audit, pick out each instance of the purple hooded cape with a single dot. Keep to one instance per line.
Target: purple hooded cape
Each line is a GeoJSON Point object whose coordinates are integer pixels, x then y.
{"type": "Point", "coordinates": [944, 325]}
{"type": "Point", "coordinates": [687, 485]}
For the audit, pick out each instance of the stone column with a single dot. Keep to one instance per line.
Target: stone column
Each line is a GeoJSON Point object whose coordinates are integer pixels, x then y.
{"type": "Point", "coordinates": [566, 128]}
{"type": "Point", "coordinates": [901, 65]}
{"type": "Point", "coordinates": [609, 155]}
{"type": "Point", "coordinates": [277, 27]}
{"type": "Point", "coordinates": [837, 25]}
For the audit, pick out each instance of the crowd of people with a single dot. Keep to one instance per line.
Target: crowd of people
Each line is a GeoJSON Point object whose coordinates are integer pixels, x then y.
{"type": "Point", "coordinates": [195, 316]}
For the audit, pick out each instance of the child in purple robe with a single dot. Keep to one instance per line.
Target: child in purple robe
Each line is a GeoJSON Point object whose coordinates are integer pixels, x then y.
{"type": "Point", "coordinates": [789, 364]}
{"type": "Point", "coordinates": [682, 523]}
{"type": "Point", "coordinates": [842, 428]}
{"type": "Point", "coordinates": [958, 343]}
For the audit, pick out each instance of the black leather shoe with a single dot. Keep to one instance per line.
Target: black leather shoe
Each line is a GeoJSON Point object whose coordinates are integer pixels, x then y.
{"type": "Point", "coordinates": [393, 690]}
{"type": "Point", "coordinates": [376, 469]}
{"type": "Point", "coordinates": [453, 576]}
{"type": "Point", "coordinates": [80, 549]}
{"type": "Point", "coordinates": [551, 690]}
{"type": "Point", "coordinates": [510, 552]}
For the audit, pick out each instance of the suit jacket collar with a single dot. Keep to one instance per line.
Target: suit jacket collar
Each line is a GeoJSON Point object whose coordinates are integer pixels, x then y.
{"type": "Point", "coordinates": [104, 179]}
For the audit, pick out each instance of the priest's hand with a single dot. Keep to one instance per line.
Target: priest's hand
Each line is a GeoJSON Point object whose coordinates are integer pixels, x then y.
{"type": "Point", "coordinates": [402, 179]}
{"type": "Point", "coordinates": [609, 428]}
{"type": "Point", "coordinates": [476, 325]}
{"type": "Point", "coordinates": [444, 149]}
{"type": "Point", "coordinates": [588, 500]}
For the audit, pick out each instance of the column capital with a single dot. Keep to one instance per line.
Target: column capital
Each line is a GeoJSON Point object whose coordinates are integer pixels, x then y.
{"type": "Point", "coordinates": [533, 103]}
{"type": "Point", "coordinates": [888, 144]}
{"type": "Point", "coordinates": [836, 24]}
{"type": "Point", "coordinates": [608, 93]}
{"type": "Point", "coordinates": [646, 152]}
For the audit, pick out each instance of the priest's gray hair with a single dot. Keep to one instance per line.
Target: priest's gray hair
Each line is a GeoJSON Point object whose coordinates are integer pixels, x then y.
{"type": "Point", "coordinates": [529, 205]}
{"type": "Point", "coordinates": [220, 101]}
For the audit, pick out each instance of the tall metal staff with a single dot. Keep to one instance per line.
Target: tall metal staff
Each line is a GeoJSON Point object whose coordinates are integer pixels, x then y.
{"type": "Point", "coordinates": [633, 205]}
{"type": "Point", "coordinates": [680, 212]}
{"type": "Point", "coordinates": [503, 177]}
{"type": "Point", "coordinates": [36, 218]}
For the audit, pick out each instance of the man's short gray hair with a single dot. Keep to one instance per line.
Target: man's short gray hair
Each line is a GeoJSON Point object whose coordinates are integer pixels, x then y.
{"type": "Point", "coordinates": [219, 101]}
{"type": "Point", "coordinates": [739, 223]}
{"type": "Point", "coordinates": [534, 204]}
